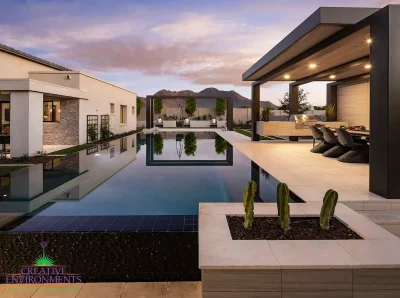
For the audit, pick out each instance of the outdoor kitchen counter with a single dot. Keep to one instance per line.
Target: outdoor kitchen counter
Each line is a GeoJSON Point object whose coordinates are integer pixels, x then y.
{"type": "Point", "coordinates": [288, 128]}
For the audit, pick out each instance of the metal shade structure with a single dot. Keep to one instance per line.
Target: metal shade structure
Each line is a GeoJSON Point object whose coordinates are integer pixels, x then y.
{"type": "Point", "coordinates": [150, 100]}
{"type": "Point", "coordinates": [345, 45]}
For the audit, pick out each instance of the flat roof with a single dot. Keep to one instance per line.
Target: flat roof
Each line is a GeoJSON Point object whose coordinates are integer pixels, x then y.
{"type": "Point", "coordinates": [324, 22]}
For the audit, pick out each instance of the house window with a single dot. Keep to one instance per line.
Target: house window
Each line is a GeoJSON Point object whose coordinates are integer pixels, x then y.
{"type": "Point", "coordinates": [133, 110]}
{"type": "Point", "coordinates": [51, 111]}
{"type": "Point", "coordinates": [133, 142]}
{"type": "Point", "coordinates": [123, 115]}
{"type": "Point", "coordinates": [112, 108]}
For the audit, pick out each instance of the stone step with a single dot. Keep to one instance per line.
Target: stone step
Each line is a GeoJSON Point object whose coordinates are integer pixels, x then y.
{"type": "Point", "coordinates": [389, 219]}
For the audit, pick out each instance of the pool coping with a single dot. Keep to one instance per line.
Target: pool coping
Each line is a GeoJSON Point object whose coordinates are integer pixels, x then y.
{"type": "Point", "coordinates": [217, 250]}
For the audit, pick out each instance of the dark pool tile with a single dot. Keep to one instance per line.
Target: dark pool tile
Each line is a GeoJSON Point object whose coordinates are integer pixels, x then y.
{"type": "Point", "coordinates": [67, 229]}
{"type": "Point", "coordinates": [83, 229]}
{"type": "Point", "coordinates": [130, 228]}
{"type": "Point", "coordinates": [188, 228]}
{"type": "Point", "coordinates": [175, 228]}
{"type": "Point", "coordinates": [122, 219]}
{"type": "Point", "coordinates": [114, 229]}
{"type": "Point", "coordinates": [146, 228]}
{"type": "Point", "coordinates": [189, 221]}
{"type": "Point", "coordinates": [160, 228]}
{"type": "Point", "coordinates": [188, 217]}
{"type": "Point", "coordinates": [195, 228]}
{"type": "Point", "coordinates": [178, 217]}
{"type": "Point", "coordinates": [151, 217]}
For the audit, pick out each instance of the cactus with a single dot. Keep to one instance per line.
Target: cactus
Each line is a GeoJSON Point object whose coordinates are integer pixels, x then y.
{"type": "Point", "coordinates": [282, 200]}
{"type": "Point", "coordinates": [248, 204]}
{"type": "Point", "coordinates": [328, 208]}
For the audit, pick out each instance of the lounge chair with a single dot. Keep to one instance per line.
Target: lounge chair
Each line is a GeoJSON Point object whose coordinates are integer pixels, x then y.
{"type": "Point", "coordinates": [358, 153]}
{"type": "Point", "coordinates": [322, 146]}
{"type": "Point", "coordinates": [337, 150]}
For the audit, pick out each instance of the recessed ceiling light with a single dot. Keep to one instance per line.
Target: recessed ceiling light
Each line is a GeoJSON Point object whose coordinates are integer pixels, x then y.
{"type": "Point", "coordinates": [312, 65]}
{"type": "Point", "coordinates": [332, 76]}
{"type": "Point", "coordinates": [368, 66]}
{"type": "Point", "coordinates": [369, 40]}
{"type": "Point", "coordinates": [286, 77]}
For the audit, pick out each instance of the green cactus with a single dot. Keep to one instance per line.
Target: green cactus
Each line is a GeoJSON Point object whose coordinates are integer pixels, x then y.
{"type": "Point", "coordinates": [328, 208]}
{"type": "Point", "coordinates": [248, 204]}
{"type": "Point", "coordinates": [282, 200]}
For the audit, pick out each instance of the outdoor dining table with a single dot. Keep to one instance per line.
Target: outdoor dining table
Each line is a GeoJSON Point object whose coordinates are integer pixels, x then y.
{"type": "Point", "coordinates": [361, 133]}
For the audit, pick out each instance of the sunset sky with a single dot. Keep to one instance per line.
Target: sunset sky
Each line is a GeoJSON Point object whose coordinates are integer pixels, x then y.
{"type": "Point", "coordinates": [150, 45]}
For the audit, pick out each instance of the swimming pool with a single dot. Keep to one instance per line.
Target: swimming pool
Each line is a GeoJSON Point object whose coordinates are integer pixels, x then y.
{"type": "Point", "coordinates": [135, 177]}
{"type": "Point", "coordinates": [134, 200]}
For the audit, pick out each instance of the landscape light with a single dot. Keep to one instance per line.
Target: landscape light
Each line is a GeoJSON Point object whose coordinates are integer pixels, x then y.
{"type": "Point", "coordinates": [332, 76]}
{"type": "Point", "coordinates": [286, 77]}
{"type": "Point", "coordinates": [368, 66]}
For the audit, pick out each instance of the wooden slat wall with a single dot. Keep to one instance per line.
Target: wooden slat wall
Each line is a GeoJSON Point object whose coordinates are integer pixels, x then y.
{"type": "Point", "coordinates": [353, 104]}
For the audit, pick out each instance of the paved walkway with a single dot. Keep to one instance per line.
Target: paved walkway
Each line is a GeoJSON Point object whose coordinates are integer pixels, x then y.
{"type": "Point", "coordinates": [104, 290]}
{"type": "Point", "coordinates": [310, 175]}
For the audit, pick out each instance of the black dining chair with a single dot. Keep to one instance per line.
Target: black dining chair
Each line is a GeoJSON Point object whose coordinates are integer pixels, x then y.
{"type": "Point", "coordinates": [337, 149]}
{"type": "Point", "coordinates": [358, 153]}
{"type": "Point", "coordinates": [317, 135]}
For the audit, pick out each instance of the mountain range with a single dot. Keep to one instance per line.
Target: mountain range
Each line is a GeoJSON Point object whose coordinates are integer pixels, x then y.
{"type": "Point", "coordinates": [238, 100]}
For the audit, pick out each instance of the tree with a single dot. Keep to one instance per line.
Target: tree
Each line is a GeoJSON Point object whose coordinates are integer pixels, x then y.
{"type": "Point", "coordinates": [190, 106]}
{"type": "Point", "coordinates": [190, 144]}
{"type": "Point", "coordinates": [138, 105]}
{"type": "Point", "coordinates": [158, 105]}
{"type": "Point", "coordinates": [304, 105]}
{"type": "Point", "coordinates": [220, 106]}
{"type": "Point", "coordinates": [158, 144]}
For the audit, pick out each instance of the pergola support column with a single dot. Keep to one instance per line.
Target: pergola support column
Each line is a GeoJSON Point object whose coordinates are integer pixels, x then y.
{"type": "Point", "coordinates": [255, 111]}
{"type": "Point", "coordinates": [384, 149]}
{"type": "Point", "coordinates": [331, 96]}
{"type": "Point", "coordinates": [293, 104]}
{"type": "Point", "coordinates": [229, 113]}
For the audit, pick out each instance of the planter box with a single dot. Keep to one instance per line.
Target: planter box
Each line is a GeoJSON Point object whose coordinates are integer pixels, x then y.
{"type": "Point", "coordinates": [200, 123]}
{"type": "Point", "coordinates": [296, 268]}
{"type": "Point", "coordinates": [169, 123]}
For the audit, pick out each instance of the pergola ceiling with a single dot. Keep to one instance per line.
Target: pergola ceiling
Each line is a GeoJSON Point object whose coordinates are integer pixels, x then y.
{"type": "Point", "coordinates": [351, 48]}
{"type": "Point", "coordinates": [330, 38]}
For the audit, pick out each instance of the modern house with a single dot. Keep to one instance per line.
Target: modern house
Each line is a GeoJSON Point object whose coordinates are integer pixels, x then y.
{"type": "Point", "coordinates": [358, 50]}
{"type": "Point", "coordinates": [43, 103]}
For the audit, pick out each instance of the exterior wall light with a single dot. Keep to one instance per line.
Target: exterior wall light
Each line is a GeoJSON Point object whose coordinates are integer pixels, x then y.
{"type": "Point", "coordinates": [286, 77]}
{"type": "Point", "coordinates": [332, 77]}
{"type": "Point", "coordinates": [369, 41]}
{"type": "Point", "coordinates": [368, 66]}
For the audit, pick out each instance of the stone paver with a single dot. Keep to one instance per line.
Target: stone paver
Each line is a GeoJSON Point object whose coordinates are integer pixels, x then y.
{"type": "Point", "coordinates": [58, 291]}
{"type": "Point", "coordinates": [106, 290]}
{"type": "Point", "coordinates": [145, 290]}
{"type": "Point", "coordinates": [184, 290]}
{"type": "Point", "coordinates": [102, 290]}
{"type": "Point", "coordinates": [18, 291]}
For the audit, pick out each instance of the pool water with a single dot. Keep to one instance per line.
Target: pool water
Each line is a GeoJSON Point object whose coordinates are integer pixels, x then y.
{"type": "Point", "coordinates": [139, 179]}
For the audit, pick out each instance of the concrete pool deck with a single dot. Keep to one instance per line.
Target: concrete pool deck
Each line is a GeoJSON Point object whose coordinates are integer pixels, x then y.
{"type": "Point", "coordinates": [104, 290]}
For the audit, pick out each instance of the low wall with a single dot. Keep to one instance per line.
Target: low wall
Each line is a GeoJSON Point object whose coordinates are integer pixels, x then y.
{"type": "Point", "coordinates": [239, 114]}
{"type": "Point", "coordinates": [108, 256]}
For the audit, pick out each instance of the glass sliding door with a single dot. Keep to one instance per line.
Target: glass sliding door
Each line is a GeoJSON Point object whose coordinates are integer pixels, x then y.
{"type": "Point", "coordinates": [5, 117]}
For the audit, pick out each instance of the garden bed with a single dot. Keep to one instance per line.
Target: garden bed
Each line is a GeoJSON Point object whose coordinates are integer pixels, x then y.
{"type": "Point", "coordinates": [267, 228]}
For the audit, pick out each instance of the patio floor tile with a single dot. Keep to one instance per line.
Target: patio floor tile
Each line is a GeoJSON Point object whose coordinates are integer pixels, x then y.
{"type": "Point", "coordinates": [145, 290]}
{"type": "Point", "coordinates": [102, 290]}
{"type": "Point", "coordinates": [184, 290]}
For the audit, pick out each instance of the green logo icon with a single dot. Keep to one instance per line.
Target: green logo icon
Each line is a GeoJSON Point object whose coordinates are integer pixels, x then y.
{"type": "Point", "coordinates": [44, 260]}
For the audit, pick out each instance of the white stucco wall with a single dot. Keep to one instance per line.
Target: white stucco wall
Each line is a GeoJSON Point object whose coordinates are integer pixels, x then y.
{"type": "Point", "coordinates": [101, 95]}
{"type": "Point", "coordinates": [26, 127]}
{"type": "Point", "coordinates": [14, 67]}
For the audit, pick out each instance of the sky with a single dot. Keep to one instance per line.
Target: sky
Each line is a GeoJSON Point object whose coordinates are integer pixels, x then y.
{"type": "Point", "coordinates": [149, 45]}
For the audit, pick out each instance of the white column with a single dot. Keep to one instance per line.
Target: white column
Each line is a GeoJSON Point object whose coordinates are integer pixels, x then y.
{"type": "Point", "coordinates": [27, 183]}
{"type": "Point", "coordinates": [26, 128]}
